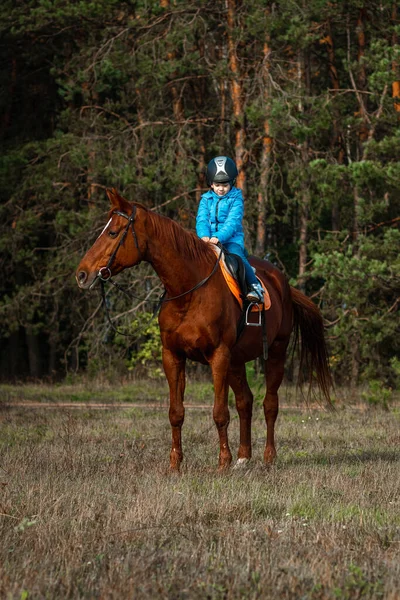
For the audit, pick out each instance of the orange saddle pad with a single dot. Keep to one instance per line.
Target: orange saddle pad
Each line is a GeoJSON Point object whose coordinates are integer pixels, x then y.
{"type": "Point", "coordinates": [234, 286]}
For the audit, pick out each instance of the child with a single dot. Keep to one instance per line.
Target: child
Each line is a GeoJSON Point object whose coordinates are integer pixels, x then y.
{"type": "Point", "coordinates": [220, 215]}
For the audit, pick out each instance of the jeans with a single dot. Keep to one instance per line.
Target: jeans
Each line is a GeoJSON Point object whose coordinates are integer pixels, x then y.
{"type": "Point", "coordinates": [236, 249]}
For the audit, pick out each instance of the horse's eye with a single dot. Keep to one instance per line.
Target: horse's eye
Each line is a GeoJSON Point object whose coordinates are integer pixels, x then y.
{"type": "Point", "coordinates": [112, 233]}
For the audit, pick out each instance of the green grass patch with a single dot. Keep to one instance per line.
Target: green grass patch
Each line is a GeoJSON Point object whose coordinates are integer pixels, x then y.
{"type": "Point", "coordinates": [89, 509]}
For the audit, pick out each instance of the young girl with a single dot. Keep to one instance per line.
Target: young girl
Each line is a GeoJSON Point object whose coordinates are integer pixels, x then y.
{"type": "Point", "coordinates": [220, 215]}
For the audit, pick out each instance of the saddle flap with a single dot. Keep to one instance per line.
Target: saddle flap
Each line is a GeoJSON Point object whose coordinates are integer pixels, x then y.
{"type": "Point", "coordinates": [236, 268]}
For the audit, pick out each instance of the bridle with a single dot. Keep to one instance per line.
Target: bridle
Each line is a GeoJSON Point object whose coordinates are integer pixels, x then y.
{"type": "Point", "coordinates": [104, 273]}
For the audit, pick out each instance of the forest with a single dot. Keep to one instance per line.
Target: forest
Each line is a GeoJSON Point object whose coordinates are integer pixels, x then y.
{"type": "Point", "coordinates": [140, 95]}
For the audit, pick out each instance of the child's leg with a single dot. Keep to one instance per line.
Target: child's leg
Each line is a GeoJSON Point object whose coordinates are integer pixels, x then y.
{"type": "Point", "coordinates": [251, 278]}
{"type": "Point", "coordinates": [250, 275]}
{"type": "Point", "coordinates": [256, 292]}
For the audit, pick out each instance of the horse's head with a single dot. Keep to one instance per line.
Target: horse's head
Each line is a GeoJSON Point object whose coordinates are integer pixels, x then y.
{"type": "Point", "coordinates": [118, 245]}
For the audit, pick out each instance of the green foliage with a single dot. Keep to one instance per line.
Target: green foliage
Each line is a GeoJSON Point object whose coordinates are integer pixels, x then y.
{"type": "Point", "coordinates": [25, 524]}
{"type": "Point", "coordinates": [395, 364]}
{"type": "Point", "coordinates": [148, 357]}
{"type": "Point", "coordinates": [256, 381]}
{"type": "Point", "coordinates": [357, 584]}
{"type": "Point", "coordinates": [359, 297]}
{"type": "Point", "coordinates": [101, 93]}
{"type": "Point", "coordinates": [377, 395]}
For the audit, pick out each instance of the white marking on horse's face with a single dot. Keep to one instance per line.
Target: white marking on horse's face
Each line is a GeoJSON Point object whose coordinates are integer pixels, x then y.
{"type": "Point", "coordinates": [104, 228]}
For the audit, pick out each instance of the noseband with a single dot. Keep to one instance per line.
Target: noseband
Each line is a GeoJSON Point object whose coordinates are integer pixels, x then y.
{"type": "Point", "coordinates": [104, 273]}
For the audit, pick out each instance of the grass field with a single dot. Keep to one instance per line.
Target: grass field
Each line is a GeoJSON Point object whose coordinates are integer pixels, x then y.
{"type": "Point", "coordinates": [88, 509]}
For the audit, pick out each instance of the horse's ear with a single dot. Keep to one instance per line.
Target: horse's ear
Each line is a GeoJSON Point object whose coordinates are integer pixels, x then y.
{"type": "Point", "coordinates": [116, 200]}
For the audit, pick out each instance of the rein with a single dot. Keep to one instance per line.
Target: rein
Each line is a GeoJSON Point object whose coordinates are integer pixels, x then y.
{"type": "Point", "coordinates": [104, 275]}
{"type": "Point", "coordinates": [196, 287]}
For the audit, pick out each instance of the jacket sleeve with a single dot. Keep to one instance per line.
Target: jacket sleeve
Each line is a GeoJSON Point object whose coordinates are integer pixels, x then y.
{"type": "Point", "coordinates": [233, 220]}
{"type": "Point", "coordinates": [203, 227]}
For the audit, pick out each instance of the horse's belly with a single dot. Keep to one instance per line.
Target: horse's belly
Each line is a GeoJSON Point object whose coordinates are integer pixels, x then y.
{"type": "Point", "coordinates": [189, 342]}
{"type": "Point", "coordinates": [197, 356]}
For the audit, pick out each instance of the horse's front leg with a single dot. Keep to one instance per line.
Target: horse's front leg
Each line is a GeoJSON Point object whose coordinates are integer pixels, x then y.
{"type": "Point", "coordinates": [174, 367]}
{"type": "Point", "coordinates": [219, 367]}
{"type": "Point", "coordinates": [244, 405]}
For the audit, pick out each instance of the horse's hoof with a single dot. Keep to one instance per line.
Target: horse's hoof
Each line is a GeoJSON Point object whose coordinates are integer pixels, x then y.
{"type": "Point", "coordinates": [269, 457]}
{"type": "Point", "coordinates": [175, 467]}
{"type": "Point", "coordinates": [224, 465]}
{"type": "Point", "coordinates": [174, 472]}
{"type": "Point", "coordinates": [241, 463]}
{"type": "Point", "coordinates": [175, 460]}
{"type": "Point", "coordinates": [223, 469]}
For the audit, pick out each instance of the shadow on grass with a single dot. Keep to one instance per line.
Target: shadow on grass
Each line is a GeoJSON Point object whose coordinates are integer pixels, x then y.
{"type": "Point", "coordinates": [340, 458]}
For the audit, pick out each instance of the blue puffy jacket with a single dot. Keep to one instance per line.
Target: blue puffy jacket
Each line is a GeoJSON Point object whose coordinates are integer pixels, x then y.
{"type": "Point", "coordinates": [221, 216]}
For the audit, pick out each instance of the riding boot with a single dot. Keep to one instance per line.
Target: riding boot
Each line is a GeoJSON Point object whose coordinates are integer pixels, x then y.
{"type": "Point", "coordinates": [255, 293]}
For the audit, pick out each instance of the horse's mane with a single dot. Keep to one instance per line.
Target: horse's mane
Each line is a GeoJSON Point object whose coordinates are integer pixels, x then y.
{"type": "Point", "coordinates": [183, 241]}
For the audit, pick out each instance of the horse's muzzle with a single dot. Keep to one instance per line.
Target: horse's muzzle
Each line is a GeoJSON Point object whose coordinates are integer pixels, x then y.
{"type": "Point", "coordinates": [85, 280]}
{"type": "Point", "coordinates": [81, 278]}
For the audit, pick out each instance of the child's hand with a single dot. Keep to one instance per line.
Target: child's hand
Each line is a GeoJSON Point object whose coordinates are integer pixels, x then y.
{"type": "Point", "coordinates": [205, 239]}
{"type": "Point", "coordinates": [214, 240]}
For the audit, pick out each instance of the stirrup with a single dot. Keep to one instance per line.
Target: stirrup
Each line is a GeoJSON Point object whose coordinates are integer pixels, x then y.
{"type": "Point", "coordinates": [259, 311]}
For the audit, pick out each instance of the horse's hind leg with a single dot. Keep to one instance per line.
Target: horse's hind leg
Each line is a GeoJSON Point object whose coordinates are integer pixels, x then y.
{"type": "Point", "coordinates": [274, 370]}
{"type": "Point", "coordinates": [244, 405]}
{"type": "Point", "coordinates": [174, 367]}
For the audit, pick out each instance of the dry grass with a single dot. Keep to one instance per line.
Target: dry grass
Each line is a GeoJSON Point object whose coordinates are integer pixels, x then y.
{"type": "Point", "coordinates": [89, 510]}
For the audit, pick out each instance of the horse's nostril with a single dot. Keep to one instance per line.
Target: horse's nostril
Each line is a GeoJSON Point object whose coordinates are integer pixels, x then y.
{"type": "Point", "coordinates": [82, 276]}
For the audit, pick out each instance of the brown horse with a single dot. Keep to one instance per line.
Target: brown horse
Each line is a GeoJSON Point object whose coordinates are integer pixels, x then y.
{"type": "Point", "coordinates": [199, 317]}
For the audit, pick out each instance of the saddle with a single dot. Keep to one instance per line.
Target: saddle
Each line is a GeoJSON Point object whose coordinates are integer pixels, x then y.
{"type": "Point", "coordinates": [232, 268]}
{"type": "Point", "coordinates": [235, 266]}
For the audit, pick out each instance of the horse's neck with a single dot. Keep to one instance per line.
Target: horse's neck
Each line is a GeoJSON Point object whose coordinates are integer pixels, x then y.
{"type": "Point", "coordinates": [177, 271]}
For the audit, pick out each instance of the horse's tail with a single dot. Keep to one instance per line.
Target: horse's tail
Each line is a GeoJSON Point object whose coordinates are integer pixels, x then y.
{"type": "Point", "coordinates": [309, 327]}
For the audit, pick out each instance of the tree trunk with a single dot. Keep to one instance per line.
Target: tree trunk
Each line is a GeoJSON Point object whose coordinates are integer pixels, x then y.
{"type": "Point", "coordinates": [237, 96]}
{"type": "Point", "coordinates": [362, 77]}
{"type": "Point", "coordinates": [6, 120]}
{"type": "Point", "coordinates": [337, 147]}
{"type": "Point", "coordinates": [222, 84]}
{"type": "Point", "coordinates": [92, 187]}
{"type": "Point", "coordinates": [34, 354]}
{"type": "Point", "coordinates": [177, 105]}
{"type": "Point", "coordinates": [364, 126]}
{"type": "Point", "coordinates": [362, 136]}
{"type": "Point", "coordinates": [303, 85]}
{"type": "Point", "coordinates": [140, 142]}
{"type": "Point", "coordinates": [303, 220]}
{"type": "Point", "coordinates": [395, 66]}
{"type": "Point", "coordinates": [13, 357]}
{"type": "Point", "coordinates": [355, 361]}
{"type": "Point", "coordinates": [52, 365]}
{"type": "Point", "coordinates": [201, 177]}
{"type": "Point", "coordinates": [262, 197]}
{"type": "Point", "coordinates": [199, 97]}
